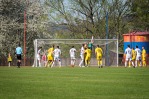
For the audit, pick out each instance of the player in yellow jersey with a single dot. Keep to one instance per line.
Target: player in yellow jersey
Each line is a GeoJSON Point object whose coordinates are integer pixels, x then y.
{"type": "Point", "coordinates": [88, 56]}
{"type": "Point", "coordinates": [143, 56]}
{"type": "Point", "coordinates": [9, 59]}
{"type": "Point", "coordinates": [99, 53]}
{"type": "Point", "coordinates": [50, 56]}
{"type": "Point", "coordinates": [133, 57]}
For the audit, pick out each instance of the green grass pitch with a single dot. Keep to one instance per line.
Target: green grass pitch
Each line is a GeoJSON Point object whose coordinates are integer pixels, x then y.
{"type": "Point", "coordinates": [74, 83]}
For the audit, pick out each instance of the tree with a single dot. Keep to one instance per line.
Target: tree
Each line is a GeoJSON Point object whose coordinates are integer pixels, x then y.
{"type": "Point", "coordinates": [11, 17]}
{"type": "Point", "coordinates": [12, 24]}
{"type": "Point", "coordinates": [139, 14]}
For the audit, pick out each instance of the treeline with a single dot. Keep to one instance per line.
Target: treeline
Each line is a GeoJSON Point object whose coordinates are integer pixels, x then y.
{"type": "Point", "coordinates": [69, 19]}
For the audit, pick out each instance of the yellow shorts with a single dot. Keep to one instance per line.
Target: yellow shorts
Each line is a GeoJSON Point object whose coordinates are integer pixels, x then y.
{"type": "Point", "coordinates": [87, 57]}
{"type": "Point", "coordinates": [133, 58]}
{"type": "Point", "coordinates": [99, 57]}
{"type": "Point", "coordinates": [50, 58]}
{"type": "Point", "coordinates": [144, 58]}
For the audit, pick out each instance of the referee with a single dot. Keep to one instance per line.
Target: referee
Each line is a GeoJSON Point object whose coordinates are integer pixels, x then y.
{"type": "Point", "coordinates": [18, 53]}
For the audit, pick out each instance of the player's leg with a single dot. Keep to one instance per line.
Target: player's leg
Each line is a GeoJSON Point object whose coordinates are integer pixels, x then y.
{"type": "Point", "coordinates": [19, 60]}
{"type": "Point", "coordinates": [86, 60]}
{"type": "Point", "coordinates": [132, 61]}
{"type": "Point", "coordinates": [136, 61]}
{"type": "Point", "coordinates": [89, 59]}
{"type": "Point", "coordinates": [101, 61]}
{"type": "Point", "coordinates": [82, 59]}
{"type": "Point", "coordinates": [98, 61]}
{"type": "Point", "coordinates": [144, 61]}
{"type": "Point", "coordinates": [50, 58]}
{"type": "Point", "coordinates": [51, 62]}
{"type": "Point", "coordinates": [47, 64]}
{"type": "Point", "coordinates": [38, 59]}
{"type": "Point", "coordinates": [84, 63]}
{"type": "Point", "coordinates": [59, 61]}
{"type": "Point", "coordinates": [71, 62]}
{"type": "Point", "coordinates": [129, 62]}
{"type": "Point", "coordinates": [140, 61]}
{"type": "Point", "coordinates": [9, 63]}
{"type": "Point", "coordinates": [74, 62]}
{"type": "Point", "coordinates": [126, 61]}
{"type": "Point", "coordinates": [55, 58]}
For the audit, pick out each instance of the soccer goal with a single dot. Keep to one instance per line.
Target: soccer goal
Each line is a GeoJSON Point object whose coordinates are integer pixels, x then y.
{"type": "Point", "coordinates": [109, 46]}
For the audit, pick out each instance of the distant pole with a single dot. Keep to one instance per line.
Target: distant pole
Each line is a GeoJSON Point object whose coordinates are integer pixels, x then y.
{"type": "Point", "coordinates": [107, 33]}
{"type": "Point", "coordinates": [24, 37]}
{"type": "Point", "coordinates": [107, 30]}
{"type": "Point", "coordinates": [25, 26]}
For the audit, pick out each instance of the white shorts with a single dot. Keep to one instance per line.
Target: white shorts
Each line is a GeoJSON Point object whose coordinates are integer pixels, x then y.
{"type": "Point", "coordinates": [72, 57]}
{"type": "Point", "coordinates": [128, 57]}
{"type": "Point", "coordinates": [38, 57]}
{"type": "Point", "coordinates": [82, 57]}
{"type": "Point", "coordinates": [138, 58]}
{"type": "Point", "coordinates": [56, 58]}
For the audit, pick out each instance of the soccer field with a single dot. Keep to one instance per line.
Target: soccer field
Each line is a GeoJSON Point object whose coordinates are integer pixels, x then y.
{"type": "Point", "coordinates": [74, 83]}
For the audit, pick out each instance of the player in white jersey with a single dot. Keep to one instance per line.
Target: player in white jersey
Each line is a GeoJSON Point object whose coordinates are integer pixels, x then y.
{"type": "Point", "coordinates": [39, 56]}
{"type": "Point", "coordinates": [72, 52]}
{"type": "Point", "coordinates": [138, 56]}
{"type": "Point", "coordinates": [81, 55]}
{"type": "Point", "coordinates": [57, 53]}
{"type": "Point", "coordinates": [128, 53]}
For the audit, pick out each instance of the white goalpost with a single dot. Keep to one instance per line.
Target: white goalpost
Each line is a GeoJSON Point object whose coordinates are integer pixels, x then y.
{"type": "Point", "coordinates": [109, 47]}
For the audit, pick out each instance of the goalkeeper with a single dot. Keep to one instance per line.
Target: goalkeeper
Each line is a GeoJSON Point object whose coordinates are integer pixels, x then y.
{"type": "Point", "coordinates": [99, 53]}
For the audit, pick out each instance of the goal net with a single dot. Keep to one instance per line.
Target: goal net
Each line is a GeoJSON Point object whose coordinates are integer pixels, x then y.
{"type": "Point", "coordinates": [109, 47]}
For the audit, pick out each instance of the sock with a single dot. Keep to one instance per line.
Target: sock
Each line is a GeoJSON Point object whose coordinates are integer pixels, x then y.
{"type": "Point", "coordinates": [9, 64]}
{"type": "Point", "coordinates": [18, 64]}
{"type": "Point", "coordinates": [59, 63]}
{"type": "Point", "coordinates": [71, 62]}
{"type": "Point", "coordinates": [136, 63]}
{"type": "Point", "coordinates": [39, 64]}
{"type": "Point", "coordinates": [81, 62]}
{"type": "Point", "coordinates": [125, 63]}
{"type": "Point", "coordinates": [86, 62]}
{"type": "Point", "coordinates": [101, 62]}
{"type": "Point", "coordinates": [144, 63]}
{"type": "Point", "coordinates": [98, 63]}
{"type": "Point", "coordinates": [132, 63]}
{"type": "Point", "coordinates": [52, 64]}
{"type": "Point", "coordinates": [140, 64]}
{"type": "Point", "coordinates": [129, 64]}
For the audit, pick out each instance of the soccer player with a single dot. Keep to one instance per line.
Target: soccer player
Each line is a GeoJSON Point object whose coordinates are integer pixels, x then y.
{"type": "Point", "coordinates": [44, 59]}
{"type": "Point", "coordinates": [50, 56]}
{"type": "Point", "coordinates": [57, 53]}
{"type": "Point", "coordinates": [82, 55]}
{"type": "Point", "coordinates": [39, 56]}
{"type": "Point", "coordinates": [72, 52]}
{"type": "Point", "coordinates": [90, 44]}
{"type": "Point", "coordinates": [128, 53]}
{"type": "Point", "coordinates": [133, 57]}
{"type": "Point", "coordinates": [9, 59]}
{"type": "Point", "coordinates": [85, 47]}
{"type": "Point", "coordinates": [143, 56]}
{"type": "Point", "coordinates": [138, 56]}
{"type": "Point", "coordinates": [88, 56]}
{"type": "Point", "coordinates": [99, 53]}
{"type": "Point", "coordinates": [18, 53]}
